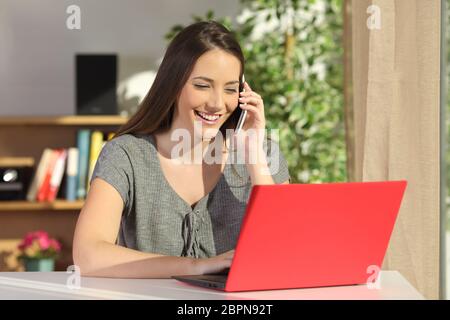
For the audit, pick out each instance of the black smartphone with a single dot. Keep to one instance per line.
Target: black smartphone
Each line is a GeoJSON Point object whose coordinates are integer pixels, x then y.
{"type": "Point", "coordinates": [243, 112]}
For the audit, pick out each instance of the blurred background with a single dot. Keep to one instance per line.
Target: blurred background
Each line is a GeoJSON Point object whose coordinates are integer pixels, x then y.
{"type": "Point", "coordinates": [357, 90]}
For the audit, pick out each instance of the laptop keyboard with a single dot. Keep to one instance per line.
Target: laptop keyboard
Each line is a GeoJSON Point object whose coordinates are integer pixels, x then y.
{"type": "Point", "coordinates": [224, 272]}
{"type": "Point", "coordinates": [214, 278]}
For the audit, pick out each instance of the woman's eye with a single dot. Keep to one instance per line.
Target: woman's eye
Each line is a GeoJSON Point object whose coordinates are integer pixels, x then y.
{"type": "Point", "coordinates": [201, 86]}
{"type": "Point", "coordinates": [206, 86]}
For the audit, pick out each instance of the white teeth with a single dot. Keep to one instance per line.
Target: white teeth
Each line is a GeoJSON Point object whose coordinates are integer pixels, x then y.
{"type": "Point", "coordinates": [208, 117]}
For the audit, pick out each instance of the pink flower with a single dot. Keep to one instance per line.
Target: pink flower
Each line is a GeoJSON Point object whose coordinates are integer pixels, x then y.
{"type": "Point", "coordinates": [55, 245]}
{"type": "Point", "coordinates": [41, 234]}
{"type": "Point", "coordinates": [40, 242]}
{"type": "Point", "coordinates": [44, 243]}
{"type": "Point", "coordinates": [28, 240]}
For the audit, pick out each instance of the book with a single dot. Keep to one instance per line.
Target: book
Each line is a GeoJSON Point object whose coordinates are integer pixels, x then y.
{"type": "Point", "coordinates": [96, 146]}
{"type": "Point", "coordinates": [39, 175]}
{"type": "Point", "coordinates": [44, 188]}
{"type": "Point", "coordinates": [57, 175]}
{"type": "Point", "coordinates": [83, 145]}
{"type": "Point", "coordinates": [72, 174]}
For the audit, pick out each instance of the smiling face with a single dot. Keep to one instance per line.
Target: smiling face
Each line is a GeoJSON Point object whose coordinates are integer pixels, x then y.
{"type": "Point", "coordinates": [211, 93]}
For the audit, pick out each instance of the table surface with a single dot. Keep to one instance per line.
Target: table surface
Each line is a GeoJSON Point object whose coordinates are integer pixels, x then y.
{"type": "Point", "coordinates": [54, 285]}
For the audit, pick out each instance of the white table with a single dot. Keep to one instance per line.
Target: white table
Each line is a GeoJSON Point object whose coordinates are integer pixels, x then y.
{"type": "Point", "coordinates": [53, 285]}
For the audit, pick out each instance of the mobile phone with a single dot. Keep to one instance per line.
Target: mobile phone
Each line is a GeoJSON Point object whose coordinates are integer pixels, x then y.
{"type": "Point", "coordinates": [243, 112]}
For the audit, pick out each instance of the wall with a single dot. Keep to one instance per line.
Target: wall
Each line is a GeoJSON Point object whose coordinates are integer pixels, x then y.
{"type": "Point", "coordinates": [37, 50]}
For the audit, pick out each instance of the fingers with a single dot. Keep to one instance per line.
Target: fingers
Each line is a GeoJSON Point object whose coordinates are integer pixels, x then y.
{"type": "Point", "coordinates": [249, 108]}
{"type": "Point", "coordinates": [217, 263]}
{"type": "Point", "coordinates": [250, 100]}
{"type": "Point", "coordinates": [249, 94]}
{"type": "Point", "coordinates": [253, 100]}
{"type": "Point", "coordinates": [228, 256]}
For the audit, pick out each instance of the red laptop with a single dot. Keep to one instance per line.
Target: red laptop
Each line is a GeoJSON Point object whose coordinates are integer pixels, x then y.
{"type": "Point", "coordinates": [310, 235]}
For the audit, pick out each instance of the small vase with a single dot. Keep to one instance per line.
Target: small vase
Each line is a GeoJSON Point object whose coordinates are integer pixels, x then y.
{"type": "Point", "coordinates": [41, 265]}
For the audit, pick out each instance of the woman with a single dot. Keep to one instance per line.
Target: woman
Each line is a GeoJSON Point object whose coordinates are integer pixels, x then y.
{"type": "Point", "coordinates": [149, 215]}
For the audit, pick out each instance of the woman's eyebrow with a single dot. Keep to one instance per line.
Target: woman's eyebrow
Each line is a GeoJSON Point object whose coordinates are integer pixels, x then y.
{"type": "Point", "coordinates": [211, 80]}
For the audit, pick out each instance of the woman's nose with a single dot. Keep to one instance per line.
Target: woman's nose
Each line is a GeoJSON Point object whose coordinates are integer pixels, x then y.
{"type": "Point", "coordinates": [217, 102]}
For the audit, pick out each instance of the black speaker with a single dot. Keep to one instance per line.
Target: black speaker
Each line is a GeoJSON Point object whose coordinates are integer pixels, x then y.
{"type": "Point", "coordinates": [96, 82]}
{"type": "Point", "coordinates": [14, 182]}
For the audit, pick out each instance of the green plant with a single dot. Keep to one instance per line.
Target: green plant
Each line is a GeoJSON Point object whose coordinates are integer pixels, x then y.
{"type": "Point", "coordinates": [297, 68]}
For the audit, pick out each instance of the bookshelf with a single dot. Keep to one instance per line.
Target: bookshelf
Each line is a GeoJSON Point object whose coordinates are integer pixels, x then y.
{"type": "Point", "coordinates": [63, 121]}
{"type": "Point", "coordinates": [58, 205]}
{"type": "Point", "coordinates": [27, 137]}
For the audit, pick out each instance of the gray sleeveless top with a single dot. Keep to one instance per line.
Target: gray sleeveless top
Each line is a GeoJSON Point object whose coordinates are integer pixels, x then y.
{"type": "Point", "coordinates": [156, 219]}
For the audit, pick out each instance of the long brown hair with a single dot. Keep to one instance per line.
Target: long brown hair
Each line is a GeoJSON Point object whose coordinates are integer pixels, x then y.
{"type": "Point", "coordinates": [155, 113]}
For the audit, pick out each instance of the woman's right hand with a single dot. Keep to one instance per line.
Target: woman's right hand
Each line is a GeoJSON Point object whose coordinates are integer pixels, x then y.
{"type": "Point", "coordinates": [215, 264]}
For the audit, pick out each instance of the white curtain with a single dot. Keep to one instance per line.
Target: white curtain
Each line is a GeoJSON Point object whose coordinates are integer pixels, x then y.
{"type": "Point", "coordinates": [394, 80]}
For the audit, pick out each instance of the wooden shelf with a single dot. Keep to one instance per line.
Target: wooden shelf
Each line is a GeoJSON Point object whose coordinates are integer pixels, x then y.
{"type": "Point", "coordinates": [16, 162]}
{"type": "Point", "coordinates": [26, 137]}
{"type": "Point", "coordinates": [65, 120]}
{"type": "Point", "coordinates": [39, 206]}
